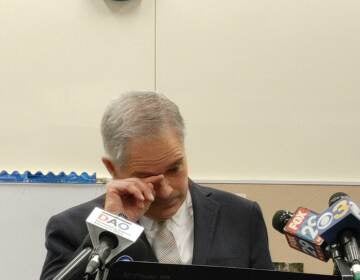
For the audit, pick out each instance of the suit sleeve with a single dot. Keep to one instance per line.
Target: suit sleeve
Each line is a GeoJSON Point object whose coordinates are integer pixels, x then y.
{"type": "Point", "coordinates": [62, 246]}
{"type": "Point", "coordinates": [260, 254]}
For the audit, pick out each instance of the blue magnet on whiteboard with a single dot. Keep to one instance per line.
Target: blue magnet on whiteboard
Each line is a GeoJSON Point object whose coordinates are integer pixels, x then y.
{"type": "Point", "coordinates": [50, 177]}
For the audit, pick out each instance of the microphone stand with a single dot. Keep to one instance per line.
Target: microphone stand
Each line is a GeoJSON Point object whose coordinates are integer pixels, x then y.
{"type": "Point", "coordinates": [80, 259]}
{"type": "Point", "coordinates": [102, 274]}
{"type": "Point", "coordinates": [341, 266]}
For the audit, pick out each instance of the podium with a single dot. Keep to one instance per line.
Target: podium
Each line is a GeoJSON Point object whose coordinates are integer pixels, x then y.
{"type": "Point", "coordinates": [157, 271]}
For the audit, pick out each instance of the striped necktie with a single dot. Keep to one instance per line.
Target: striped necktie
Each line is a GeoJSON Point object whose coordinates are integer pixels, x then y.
{"type": "Point", "coordinates": [164, 245]}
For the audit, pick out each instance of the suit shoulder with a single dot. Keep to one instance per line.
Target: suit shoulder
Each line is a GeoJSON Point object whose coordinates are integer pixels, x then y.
{"type": "Point", "coordinates": [77, 213]}
{"type": "Point", "coordinates": [226, 198]}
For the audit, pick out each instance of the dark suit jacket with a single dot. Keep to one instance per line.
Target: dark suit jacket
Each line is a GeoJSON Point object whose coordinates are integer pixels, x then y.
{"type": "Point", "coordinates": [228, 231]}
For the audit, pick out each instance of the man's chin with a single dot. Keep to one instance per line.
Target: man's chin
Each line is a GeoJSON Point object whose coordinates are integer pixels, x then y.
{"type": "Point", "coordinates": [164, 213]}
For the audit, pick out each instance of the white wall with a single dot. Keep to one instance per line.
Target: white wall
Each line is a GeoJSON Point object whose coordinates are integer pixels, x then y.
{"type": "Point", "coordinates": [269, 89]}
{"type": "Point", "coordinates": [61, 62]}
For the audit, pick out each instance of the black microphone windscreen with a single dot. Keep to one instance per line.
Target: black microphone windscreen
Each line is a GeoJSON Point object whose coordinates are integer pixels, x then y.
{"type": "Point", "coordinates": [336, 197]}
{"type": "Point", "coordinates": [109, 238]}
{"type": "Point", "coordinates": [280, 219]}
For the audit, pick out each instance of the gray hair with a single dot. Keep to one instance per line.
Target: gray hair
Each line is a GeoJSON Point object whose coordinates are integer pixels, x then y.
{"type": "Point", "coordinates": [137, 114]}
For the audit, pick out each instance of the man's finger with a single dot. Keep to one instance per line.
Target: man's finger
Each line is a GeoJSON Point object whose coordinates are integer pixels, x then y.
{"type": "Point", "coordinates": [147, 189]}
{"type": "Point", "coordinates": [128, 188]}
{"type": "Point", "coordinates": [154, 179]}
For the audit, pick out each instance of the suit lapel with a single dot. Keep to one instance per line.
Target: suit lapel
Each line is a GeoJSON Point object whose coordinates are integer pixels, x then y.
{"type": "Point", "coordinates": [150, 254]}
{"type": "Point", "coordinates": [205, 219]}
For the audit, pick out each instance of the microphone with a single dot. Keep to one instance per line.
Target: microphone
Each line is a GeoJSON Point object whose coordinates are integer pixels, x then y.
{"type": "Point", "coordinates": [341, 222]}
{"type": "Point", "coordinates": [110, 235]}
{"type": "Point", "coordinates": [280, 219]}
{"type": "Point", "coordinates": [107, 242]}
{"type": "Point", "coordinates": [300, 232]}
{"type": "Point", "coordinates": [342, 214]}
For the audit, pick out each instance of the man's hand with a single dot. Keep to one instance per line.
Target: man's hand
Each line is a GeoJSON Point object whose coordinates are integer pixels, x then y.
{"type": "Point", "coordinates": [131, 196]}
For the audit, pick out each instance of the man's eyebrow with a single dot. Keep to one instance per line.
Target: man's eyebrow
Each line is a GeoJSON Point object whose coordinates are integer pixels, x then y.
{"type": "Point", "coordinates": [143, 174]}
{"type": "Point", "coordinates": [177, 162]}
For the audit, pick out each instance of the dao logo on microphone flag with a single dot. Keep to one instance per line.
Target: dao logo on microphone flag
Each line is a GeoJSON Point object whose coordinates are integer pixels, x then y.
{"type": "Point", "coordinates": [100, 220]}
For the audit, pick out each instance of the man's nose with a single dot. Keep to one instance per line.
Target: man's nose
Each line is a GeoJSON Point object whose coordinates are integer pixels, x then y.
{"type": "Point", "coordinates": [163, 189]}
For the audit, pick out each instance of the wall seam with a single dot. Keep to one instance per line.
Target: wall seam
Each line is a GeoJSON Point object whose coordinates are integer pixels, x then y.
{"type": "Point", "coordinates": [155, 45]}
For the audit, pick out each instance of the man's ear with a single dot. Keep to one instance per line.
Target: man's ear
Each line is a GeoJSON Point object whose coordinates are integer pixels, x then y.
{"type": "Point", "coordinates": [109, 166]}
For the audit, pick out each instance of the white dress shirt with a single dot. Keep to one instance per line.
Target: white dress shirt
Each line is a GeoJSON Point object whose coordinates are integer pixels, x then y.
{"type": "Point", "coordinates": [182, 227]}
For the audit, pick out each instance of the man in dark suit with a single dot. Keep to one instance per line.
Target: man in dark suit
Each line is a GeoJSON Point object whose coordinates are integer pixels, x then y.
{"type": "Point", "coordinates": [143, 135]}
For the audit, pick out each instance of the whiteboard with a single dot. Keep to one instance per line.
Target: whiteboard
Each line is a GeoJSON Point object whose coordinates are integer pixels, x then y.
{"type": "Point", "coordinates": [24, 237]}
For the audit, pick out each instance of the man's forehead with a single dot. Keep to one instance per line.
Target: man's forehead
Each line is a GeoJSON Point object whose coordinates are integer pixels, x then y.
{"type": "Point", "coordinates": [146, 170]}
{"type": "Point", "coordinates": [155, 153]}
